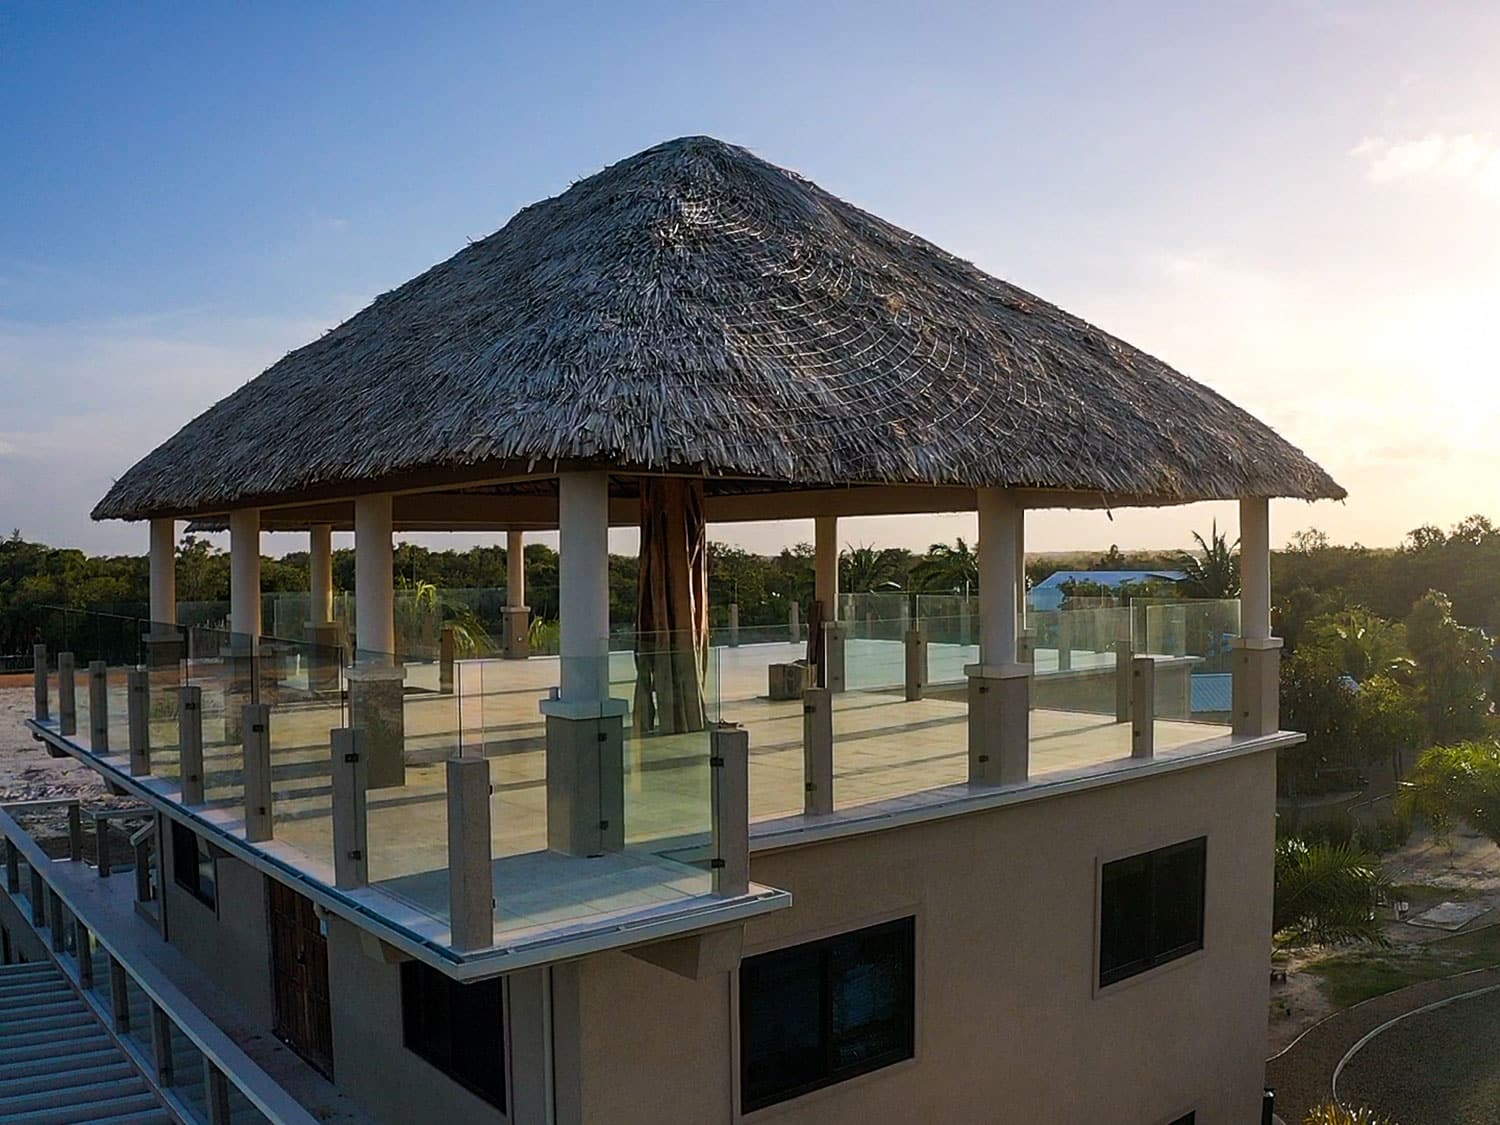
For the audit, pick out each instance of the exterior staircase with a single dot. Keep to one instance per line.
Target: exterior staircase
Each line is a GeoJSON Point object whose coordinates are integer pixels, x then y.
{"type": "Point", "coordinates": [58, 1064]}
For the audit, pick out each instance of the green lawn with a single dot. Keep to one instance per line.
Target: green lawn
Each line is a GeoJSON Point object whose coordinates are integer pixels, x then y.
{"type": "Point", "coordinates": [1348, 978]}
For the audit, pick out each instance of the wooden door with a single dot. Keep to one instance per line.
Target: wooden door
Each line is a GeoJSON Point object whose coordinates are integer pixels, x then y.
{"type": "Point", "coordinates": [299, 968]}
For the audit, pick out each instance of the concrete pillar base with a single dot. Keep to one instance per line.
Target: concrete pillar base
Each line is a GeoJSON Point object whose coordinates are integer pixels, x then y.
{"type": "Point", "coordinates": [831, 674]}
{"type": "Point", "coordinates": [324, 656]}
{"type": "Point", "coordinates": [377, 707]}
{"type": "Point", "coordinates": [999, 724]}
{"type": "Point", "coordinates": [916, 662]}
{"type": "Point", "coordinates": [1256, 687]}
{"type": "Point", "coordinates": [517, 632]}
{"type": "Point", "coordinates": [585, 776]}
{"type": "Point", "coordinates": [817, 751]}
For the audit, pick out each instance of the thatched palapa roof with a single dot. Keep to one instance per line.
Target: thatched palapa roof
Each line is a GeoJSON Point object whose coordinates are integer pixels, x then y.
{"type": "Point", "coordinates": [695, 308]}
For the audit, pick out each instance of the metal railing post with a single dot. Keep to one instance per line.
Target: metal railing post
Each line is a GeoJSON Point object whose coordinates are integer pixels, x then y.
{"type": "Point", "coordinates": [67, 694]}
{"type": "Point", "coordinates": [85, 951]}
{"type": "Point", "coordinates": [41, 710]}
{"type": "Point", "coordinates": [101, 846]}
{"type": "Point", "coordinates": [55, 921]}
{"type": "Point", "coordinates": [817, 750]}
{"type": "Point", "coordinates": [38, 899]}
{"type": "Point", "coordinates": [119, 996]}
{"type": "Point", "coordinates": [138, 700]}
{"type": "Point", "coordinates": [255, 736]}
{"type": "Point", "coordinates": [471, 885]}
{"type": "Point", "coordinates": [98, 707]}
{"type": "Point", "coordinates": [161, 1044]}
{"type": "Point", "coordinates": [190, 739]}
{"type": "Point", "coordinates": [729, 761]}
{"type": "Point", "coordinates": [351, 845]}
{"type": "Point", "coordinates": [216, 1094]}
{"type": "Point", "coordinates": [12, 869]}
{"type": "Point", "coordinates": [1142, 707]}
{"type": "Point", "coordinates": [75, 833]}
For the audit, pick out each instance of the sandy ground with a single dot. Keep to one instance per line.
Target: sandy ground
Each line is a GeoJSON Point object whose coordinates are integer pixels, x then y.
{"type": "Point", "coordinates": [1465, 862]}
{"type": "Point", "coordinates": [29, 773]}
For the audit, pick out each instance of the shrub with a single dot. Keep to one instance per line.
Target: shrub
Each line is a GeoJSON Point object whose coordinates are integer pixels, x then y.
{"type": "Point", "coordinates": [1330, 1113]}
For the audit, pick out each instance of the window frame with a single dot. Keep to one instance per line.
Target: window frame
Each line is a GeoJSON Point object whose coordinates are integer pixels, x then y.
{"type": "Point", "coordinates": [189, 877]}
{"type": "Point", "coordinates": [412, 969]}
{"type": "Point", "coordinates": [1155, 958]}
{"type": "Point", "coordinates": [831, 1075]}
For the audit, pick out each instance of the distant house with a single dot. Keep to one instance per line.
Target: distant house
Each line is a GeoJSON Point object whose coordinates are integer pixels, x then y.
{"type": "Point", "coordinates": [1048, 594]}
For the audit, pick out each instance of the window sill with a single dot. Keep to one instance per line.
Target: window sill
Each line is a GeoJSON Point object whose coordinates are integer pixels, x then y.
{"type": "Point", "coordinates": [1153, 973]}
{"type": "Point", "coordinates": [801, 1102]}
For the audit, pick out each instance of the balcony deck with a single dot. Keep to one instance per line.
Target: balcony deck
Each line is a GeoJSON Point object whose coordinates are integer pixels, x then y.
{"type": "Point", "coordinates": [886, 750]}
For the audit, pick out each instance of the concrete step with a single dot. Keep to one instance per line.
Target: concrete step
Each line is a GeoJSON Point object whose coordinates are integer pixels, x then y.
{"type": "Point", "coordinates": [39, 1031]}
{"type": "Point", "coordinates": [38, 1008]}
{"type": "Point", "coordinates": [53, 1061]}
{"type": "Point", "coordinates": [108, 1069]}
{"type": "Point", "coordinates": [110, 1110]}
{"type": "Point", "coordinates": [95, 1040]}
{"type": "Point", "coordinates": [84, 1094]}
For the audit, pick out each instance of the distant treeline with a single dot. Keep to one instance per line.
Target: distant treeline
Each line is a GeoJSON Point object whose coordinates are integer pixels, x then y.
{"type": "Point", "coordinates": [1310, 577]}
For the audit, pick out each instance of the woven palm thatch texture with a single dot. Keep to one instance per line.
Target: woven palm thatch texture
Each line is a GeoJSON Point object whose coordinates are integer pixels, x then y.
{"type": "Point", "coordinates": [694, 308]}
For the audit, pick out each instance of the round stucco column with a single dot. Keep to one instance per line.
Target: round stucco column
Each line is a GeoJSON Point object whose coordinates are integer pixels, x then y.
{"type": "Point", "coordinates": [826, 565]}
{"type": "Point", "coordinates": [374, 597]}
{"type": "Point", "coordinates": [163, 564]}
{"type": "Point", "coordinates": [1000, 544]}
{"type": "Point", "coordinates": [320, 568]}
{"type": "Point", "coordinates": [515, 568]}
{"type": "Point", "coordinates": [583, 585]}
{"type": "Point", "coordinates": [244, 571]}
{"type": "Point", "coordinates": [1255, 568]}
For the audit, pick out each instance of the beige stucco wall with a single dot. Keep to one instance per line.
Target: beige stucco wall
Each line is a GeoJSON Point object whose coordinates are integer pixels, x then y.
{"type": "Point", "coordinates": [231, 945]}
{"type": "Point", "coordinates": [370, 1063]}
{"type": "Point", "coordinates": [1009, 1026]}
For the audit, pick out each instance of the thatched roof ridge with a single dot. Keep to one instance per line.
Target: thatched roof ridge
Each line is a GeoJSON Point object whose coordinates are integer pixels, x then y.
{"type": "Point", "coordinates": [695, 307]}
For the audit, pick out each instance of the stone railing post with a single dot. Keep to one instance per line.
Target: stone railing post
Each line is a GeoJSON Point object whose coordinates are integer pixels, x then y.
{"type": "Point", "coordinates": [1124, 681]}
{"type": "Point", "coordinates": [138, 710]}
{"type": "Point", "coordinates": [794, 622]}
{"type": "Point", "coordinates": [999, 724]}
{"type": "Point", "coordinates": [916, 661]}
{"type": "Point", "coordinates": [1142, 707]}
{"type": "Point", "coordinates": [1255, 686]}
{"type": "Point", "coordinates": [817, 750]}
{"type": "Point", "coordinates": [734, 625]}
{"type": "Point", "coordinates": [190, 739]}
{"type": "Point", "coordinates": [98, 707]}
{"type": "Point", "coordinates": [471, 886]}
{"type": "Point", "coordinates": [41, 711]}
{"type": "Point", "coordinates": [729, 762]}
{"type": "Point", "coordinates": [67, 694]}
{"type": "Point", "coordinates": [255, 736]}
{"type": "Point", "coordinates": [447, 650]}
{"type": "Point", "coordinates": [835, 637]}
{"type": "Point", "coordinates": [351, 826]}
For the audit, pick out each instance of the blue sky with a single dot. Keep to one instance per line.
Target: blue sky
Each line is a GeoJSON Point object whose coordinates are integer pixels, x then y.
{"type": "Point", "coordinates": [1296, 202]}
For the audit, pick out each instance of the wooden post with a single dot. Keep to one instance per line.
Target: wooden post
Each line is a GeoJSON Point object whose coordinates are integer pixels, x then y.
{"type": "Point", "coordinates": [1143, 707]}
{"type": "Point", "coordinates": [471, 885]}
{"type": "Point", "coordinates": [38, 899]}
{"type": "Point", "coordinates": [55, 921]}
{"type": "Point", "coordinates": [351, 847]}
{"type": "Point", "coordinates": [138, 700]}
{"type": "Point", "coordinates": [98, 707]}
{"type": "Point", "coordinates": [41, 711]}
{"type": "Point", "coordinates": [729, 761]}
{"type": "Point", "coordinates": [817, 750]}
{"type": "Point", "coordinates": [83, 947]}
{"type": "Point", "coordinates": [75, 833]}
{"type": "Point", "coordinates": [161, 1044]}
{"type": "Point", "coordinates": [101, 845]}
{"type": "Point", "coordinates": [190, 739]}
{"type": "Point", "coordinates": [67, 700]}
{"type": "Point", "coordinates": [447, 648]}
{"type": "Point", "coordinates": [119, 996]}
{"type": "Point", "coordinates": [256, 739]}
{"type": "Point", "coordinates": [12, 869]}
{"type": "Point", "coordinates": [794, 622]}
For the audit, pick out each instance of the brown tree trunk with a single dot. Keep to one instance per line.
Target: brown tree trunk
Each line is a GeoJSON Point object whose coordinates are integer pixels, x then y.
{"type": "Point", "coordinates": [671, 616]}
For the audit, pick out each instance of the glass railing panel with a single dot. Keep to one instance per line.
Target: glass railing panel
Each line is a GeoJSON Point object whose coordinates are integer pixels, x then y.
{"type": "Point", "coordinates": [189, 1074]}
{"type": "Point", "coordinates": [221, 665]}
{"type": "Point", "coordinates": [1192, 643]}
{"type": "Point", "coordinates": [302, 684]}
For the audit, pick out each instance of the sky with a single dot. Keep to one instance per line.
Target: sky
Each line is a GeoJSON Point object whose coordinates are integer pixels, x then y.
{"type": "Point", "coordinates": [1296, 202]}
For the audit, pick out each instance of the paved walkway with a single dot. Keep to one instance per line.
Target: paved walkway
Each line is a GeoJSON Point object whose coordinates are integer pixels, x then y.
{"type": "Point", "coordinates": [1302, 1075]}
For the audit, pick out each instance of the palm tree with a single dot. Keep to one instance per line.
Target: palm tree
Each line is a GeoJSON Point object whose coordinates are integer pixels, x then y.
{"type": "Point", "coordinates": [1458, 784]}
{"type": "Point", "coordinates": [1363, 644]}
{"type": "Point", "coordinates": [1215, 571]}
{"type": "Point", "coordinates": [1331, 1113]}
{"type": "Point", "coordinates": [947, 570]}
{"type": "Point", "coordinates": [863, 569]}
{"type": "Point", "coordinates": [1326, 894]}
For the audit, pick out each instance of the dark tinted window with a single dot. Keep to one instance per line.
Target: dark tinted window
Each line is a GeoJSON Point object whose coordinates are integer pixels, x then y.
{"type": "Point", "coordinates": [1186, 1119]}
{"type": "Point", "coordinates": [458, 1028]}
{"type": "Point", "coordinates": [193, 865]}
{"type": "Point", "coordinates": [1151, 909]}
{"type": "Point", "coordinates": [820, 1013]}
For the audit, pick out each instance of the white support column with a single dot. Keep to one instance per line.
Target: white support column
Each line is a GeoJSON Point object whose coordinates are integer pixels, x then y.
{"type": "Point", "coordinates": [999, 685]}
{"type": "Point", "coordinates": [1257, 654]}
{"type": "Point", "coordinates": [244, 571]}
{"type": "Point", "coordinates": [1255, 568]}
{"type": "Point", "coordinates": [1020, 569]}
{"type": "Point", "coordinates": [583, 584]}
{"type": "Point", "coordinates": [1000, 544]}
{"type": "Point", "coordinates": [826, 565]}
{"type": "Point", "coordinates": [320, 566]}
{"type": "Point", "coordinates": [374, 597]}
{"type": "Point", "coordinates": [163, 563]}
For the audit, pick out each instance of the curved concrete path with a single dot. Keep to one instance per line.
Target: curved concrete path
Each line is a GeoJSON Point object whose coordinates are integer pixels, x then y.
{"type": "Point", "coordinates": [1302, 1074]}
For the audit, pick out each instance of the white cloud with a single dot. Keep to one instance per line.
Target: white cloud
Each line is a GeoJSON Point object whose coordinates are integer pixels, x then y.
{"type": "Point", "coordinates": [1470, 159]}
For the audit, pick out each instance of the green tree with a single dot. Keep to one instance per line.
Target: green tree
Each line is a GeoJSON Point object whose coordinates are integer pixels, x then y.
{"type": "Point", "coordinates": [1361, 644]}
{"type": "Point", "coordinates": [1453, 663]}
{"type": "Point", "coordinates": [1458, 784]}
{"type": "Point", "coordinates": [1389, 721]}
{"type": "Point", "coordinates": [1326, 894]}
{"type": "Point", "coordinates": [866, 569]}
{"type": "Point", "coordinates": [947, 569]}
{"type": "Point", "coordinates": [1319, 700]}
{"type": "Point", "coordinates": [1214, 572]}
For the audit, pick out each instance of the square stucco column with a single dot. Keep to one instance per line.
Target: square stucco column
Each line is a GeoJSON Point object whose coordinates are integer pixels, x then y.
{"type": "Point", "coordinates": [1256, 666]}
{"type": "Point", "coordinates": [163, 640]}
{"type": "Point", "coordinates": [999, 685]}
{"type": "Point", "coordinates": [374, 591]}
{"type": "Point", "coordinates": [325, 656]}
{"type": "Point", "coordinates": [585, 728]}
